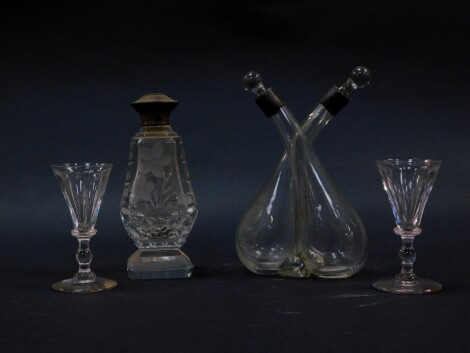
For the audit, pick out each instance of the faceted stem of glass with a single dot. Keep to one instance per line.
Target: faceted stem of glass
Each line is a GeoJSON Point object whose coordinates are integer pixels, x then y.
{"type": "Point", "coordinates": [407, 255]}
{"type": "Point", "coordinates": [84, 257]}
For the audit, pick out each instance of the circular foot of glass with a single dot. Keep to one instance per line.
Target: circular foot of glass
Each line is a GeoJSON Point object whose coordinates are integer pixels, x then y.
{"type": "Point", "coordinates": [421, 286]}
{"type": "Point", "coordinates": [71, 285]}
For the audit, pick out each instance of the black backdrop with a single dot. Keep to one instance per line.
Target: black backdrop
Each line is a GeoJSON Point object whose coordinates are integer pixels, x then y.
{"type": "Point", "coordinates": [68, 72]}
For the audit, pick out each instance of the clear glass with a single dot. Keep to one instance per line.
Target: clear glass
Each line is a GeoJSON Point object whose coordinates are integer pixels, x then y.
{"type": "Point", "coordinates": [83, 186]}
{"type": "Point", "coordinates": [408, 183]}
{"type": "Point", "coordinates": [299, 223]}
{"type": "Point", "coordinates": [158, 207]}
{"type": "Point", "coordinates": [329, 238]}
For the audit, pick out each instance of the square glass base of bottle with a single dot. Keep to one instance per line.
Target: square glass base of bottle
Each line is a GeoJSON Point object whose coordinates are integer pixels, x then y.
{"type": "Point", "coordinates": [71, 285]}
{"type": "Point", "coordinates": [420, 286]}
{"type": "Point", "coordinates": [159, 264]}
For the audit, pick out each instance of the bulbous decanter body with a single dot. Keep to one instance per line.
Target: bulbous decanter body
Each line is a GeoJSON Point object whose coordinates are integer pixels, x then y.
{"type": "Point", "coordinates": [158, 207]}
{"type": "Point", "coordinates": [318, 232]}
{"type": "Point", "coordinates": [264, 235]}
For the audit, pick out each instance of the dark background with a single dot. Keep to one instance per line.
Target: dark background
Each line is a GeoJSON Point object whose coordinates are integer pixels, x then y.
{"type": "Point", "coordinates": [68, 72]}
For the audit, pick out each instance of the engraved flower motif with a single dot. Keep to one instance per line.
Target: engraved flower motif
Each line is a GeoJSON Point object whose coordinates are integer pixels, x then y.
{"type": "Point", "coordinates": [153, 159]}
{"type": "Point", "coordinates": [142, 189]}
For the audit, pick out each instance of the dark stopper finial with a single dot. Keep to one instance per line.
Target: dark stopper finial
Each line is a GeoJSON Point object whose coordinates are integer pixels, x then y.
{"type": "Point", "coordinates": [154, 108]}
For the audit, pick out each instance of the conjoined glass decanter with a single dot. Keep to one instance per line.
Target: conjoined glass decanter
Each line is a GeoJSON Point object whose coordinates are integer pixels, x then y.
{"type": "Point", "coordinates": [299, 223]}
{"type": "Point", "coordinates": [158, 207]}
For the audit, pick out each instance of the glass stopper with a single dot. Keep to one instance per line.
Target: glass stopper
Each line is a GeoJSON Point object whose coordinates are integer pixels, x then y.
{"type": "Point", "coordinates": [359, 78]}
{"type": "Point", "coordinates": [252, 81]}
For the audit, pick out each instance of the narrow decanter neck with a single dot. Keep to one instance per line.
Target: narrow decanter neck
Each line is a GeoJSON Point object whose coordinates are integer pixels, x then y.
{"type": "Point", "coordinates": [333, 101]}
{"type": "Point", "coordinates": [295, 146]}
{"type": "Point", "coordinates": [315, 122]}
{"type": "Point", "coordinates": [288, 127]}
